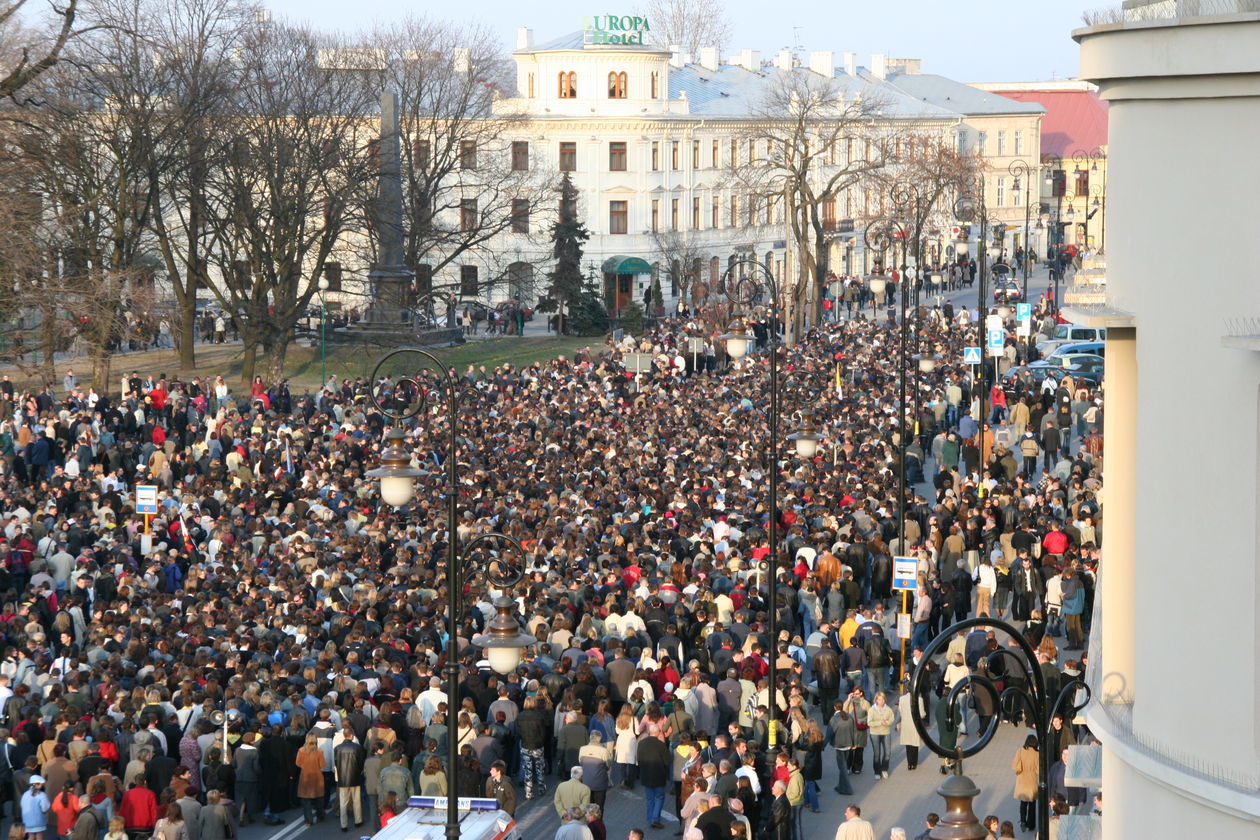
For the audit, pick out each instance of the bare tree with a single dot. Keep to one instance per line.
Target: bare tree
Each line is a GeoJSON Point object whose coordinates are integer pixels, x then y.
{"type": "Point", "coordinates": [689, 24]}
{"type": "Point", "coordinates": [285, 192]}
{"type": "Point", "coordinates": [684, 261]}
{"type": "Point", "coordinates": [809, 144]}
{"type": "Point", "coordinates": [466, 185]}
{"type": "Point", "coordinates": [25, 54]}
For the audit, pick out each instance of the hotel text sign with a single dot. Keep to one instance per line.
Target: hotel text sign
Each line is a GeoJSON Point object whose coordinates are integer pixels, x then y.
{"type": "Point", "coordinates": [615, 29]}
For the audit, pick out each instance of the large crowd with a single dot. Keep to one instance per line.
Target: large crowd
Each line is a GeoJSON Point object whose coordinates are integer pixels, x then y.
{"type": "Point", "coordinates": [275, 588]}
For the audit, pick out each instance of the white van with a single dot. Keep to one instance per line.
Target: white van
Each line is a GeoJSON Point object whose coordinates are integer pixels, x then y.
{"type": "Point", "coordinates": [424, 818]}
{"type": "Point", "coordinates": [1069, 334]}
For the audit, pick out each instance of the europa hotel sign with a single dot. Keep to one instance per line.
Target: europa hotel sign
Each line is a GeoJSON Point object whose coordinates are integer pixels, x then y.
{"type": "Point", "coordinates": [615, 29]}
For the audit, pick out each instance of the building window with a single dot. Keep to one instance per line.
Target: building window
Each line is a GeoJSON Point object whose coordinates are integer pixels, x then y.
{"type": "Point", "coordinates": [530, 86]}
{"type": "Point", "coordinates": [962, 142]}
{"type": "Point", "coordinates": [468, 214]}
{"type": "Point", "coordinates": [520, 215]}
{"type": "Point", "coordinates": [1001, 149]}
{"type": "Point", "coordinates": [656, 85]}
{"type": "Point", "coordinates": [982, 140]}
{"type": "Point", "coordinates": [715, 215]}
{"type": "Point", "coordinates": [617, 157]}
{"type": "Point", "coordinates": [568, 85]}
{"type": "Point", "coordinates": [1019, 142]}
{"type": "Point", "coordinates": [618, 217]}
{"type": "Point", "coordinates": [568, 209]}
{"type": "Point", "coordinates": [424, 278]}
{"type": "Point", "coordinates": [520, 155]}
{"type": "Point", "coordinates": [421, 155]}
{"type": "Point", "coordinates": [716, 160]}
{"type": "Point", "coordinates": [673, 154]}
{"type": "Point", "coordinates": [1082, 182]}
{"type": "Point", "coordinates": [616, 85]}
{"type": "Point", "coordinates": [656, 156]}
{"type": "Point", "coordinates": [332, 273]}
{"type": "Point", "coordinates": [673, 214]}
{"type": "Point", "coordinates": [656, 215]}
{"type": "Point", "coordinates": [695, 154]}
{"type": "Point", "coordinates": [734, 214]}
{"type": "Point", "coordinates": [829, 214]}
{"type": "Point", "coordinates": [568, 157]}
{"type": "Point", "coordinates": [468, 281]}
{"type": "Point", "coordinates": [467, 154]}
{"type": "Point", "coordinates": [695, 214]}
{"type": "Point", "coordinates": [1058, 183]}
{"type": "Point", "coordinates": [734, 153]}
{"type": "Point", "coordinates": [1016, 197]}
{"type": "Point", "coordinates": [1001, 192]}
{"type": "Point", "coordinates": [752, 210]}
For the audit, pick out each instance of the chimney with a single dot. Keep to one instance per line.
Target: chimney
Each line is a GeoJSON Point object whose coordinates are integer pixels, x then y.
{"type": "Point", "coordinates": [524, 38]}
{"type": "Point", "coordinates": [823, 63]}
{"type": "Point", "coordinates": [676, 56]}
{"type": "Point", "coordinates": [784, 60]}
{"type": "Point", "coordinates": [905, 66]}
{"type": "Point", "coordinates": [879, 65]}
{"type": "Point", "coordinates": [709, 58]}
{"type": "Point", "coordinates": [850, 63]}
{"type": "Point", "coordinates": [748, 59]}
{"type": "Point", "coordinates": [460, 60]}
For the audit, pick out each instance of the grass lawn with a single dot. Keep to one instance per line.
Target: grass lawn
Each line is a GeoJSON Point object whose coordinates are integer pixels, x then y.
{"type": "Point", "coordinates": [302, 364]}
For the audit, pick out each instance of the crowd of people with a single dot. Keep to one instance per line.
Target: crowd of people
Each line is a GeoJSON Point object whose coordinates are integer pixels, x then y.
{"type": "Point", "coordinates": [275, 588]}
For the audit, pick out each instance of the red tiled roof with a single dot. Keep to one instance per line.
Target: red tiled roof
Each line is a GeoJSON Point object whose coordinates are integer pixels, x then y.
{"type": "Point", "coordinates": [1075, 120]}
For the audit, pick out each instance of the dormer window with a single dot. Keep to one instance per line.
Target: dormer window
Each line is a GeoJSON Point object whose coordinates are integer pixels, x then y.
{"type": "Point", "coordinates": [616, 85]}
{"type": "Point", "coordinates": [568, 85]}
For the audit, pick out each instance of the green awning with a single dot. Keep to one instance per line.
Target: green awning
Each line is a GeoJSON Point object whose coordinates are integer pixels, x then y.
{"type": "Point", "coordinates": [626, 265]}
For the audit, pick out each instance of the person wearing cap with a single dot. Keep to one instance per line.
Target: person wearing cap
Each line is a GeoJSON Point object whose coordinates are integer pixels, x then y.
{"type": "Point", "coordinates": [34, 809]}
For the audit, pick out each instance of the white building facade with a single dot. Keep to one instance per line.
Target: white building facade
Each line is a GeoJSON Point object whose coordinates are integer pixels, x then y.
{"type": "Point", "coordinates": [650, 139]}
{"type": "Point", "coordinates": [1174, 663]}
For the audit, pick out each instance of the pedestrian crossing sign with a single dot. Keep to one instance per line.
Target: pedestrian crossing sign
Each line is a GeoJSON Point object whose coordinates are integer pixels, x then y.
{"type": "Point", "coordinates": [971, 355]}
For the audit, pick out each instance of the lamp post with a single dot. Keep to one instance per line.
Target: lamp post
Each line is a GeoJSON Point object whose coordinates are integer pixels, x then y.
{"type": "Point", "coordinates": [877, 286]}
{"type": "Point", "coordinates": [1093, 165]}
{"type": "Point", "coordinates": [323, 345]}
{"type": "Point", "coordinates": [1024, 173]}
{"type": "Point", "coordinates": [742, 290]}
{"type": "Point", "coordinates": [401, 399]}
{"type": "Point", "coordinates": [1028, 696]}
{"type": "Point", "coordinates": [969, 208]}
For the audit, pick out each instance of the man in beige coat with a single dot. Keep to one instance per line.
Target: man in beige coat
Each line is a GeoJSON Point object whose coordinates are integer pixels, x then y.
{"type": "Point", "coordinates": [572, 794]}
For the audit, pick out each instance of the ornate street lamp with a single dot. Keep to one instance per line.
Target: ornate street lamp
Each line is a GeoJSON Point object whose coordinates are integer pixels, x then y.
{"type": "Point", "coordinates": [402, 398]}
{"type": "Point", "coordinates": [1028, 696]}
{"type": "Point", "coordinates": [741, 284]}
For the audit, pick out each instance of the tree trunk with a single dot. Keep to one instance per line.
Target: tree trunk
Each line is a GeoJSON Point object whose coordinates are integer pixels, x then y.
{"type": "Point", "coordinates": [276, 359]}
{"type": "Point", "coordinates": [187, 333]}
{"type": "Point", "coordinates": [48, 342]}
{"type": "Point", "coordinates": [102, 363]}
{"type": "Point", "coordinates": [249, 360]}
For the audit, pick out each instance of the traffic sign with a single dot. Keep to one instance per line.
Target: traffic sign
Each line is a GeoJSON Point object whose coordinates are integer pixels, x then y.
{"type": "Point", "coordinates": [146, 498]}
{"type": "Point", "coordinates": [994, 342]}
{"type": "Point", "coordinates": [905, 573]}
{"type": "Point", "coordinates": [971, 355]}
{"type": "Point", "coordinates": [1023, 311]}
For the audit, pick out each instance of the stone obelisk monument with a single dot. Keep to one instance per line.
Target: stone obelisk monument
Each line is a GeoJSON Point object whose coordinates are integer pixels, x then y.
{"type": "Point", "coordinates": [391, 279]}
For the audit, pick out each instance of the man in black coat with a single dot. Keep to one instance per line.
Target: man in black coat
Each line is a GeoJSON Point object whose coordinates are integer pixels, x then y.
{"type": "Point", "coordinates": [348, 760]}
{"type": "Point", "coordinates": [827, 672]}
{"type": "Point", "coordinates": [780, 825]}
{"type": "Point", "coordinates": [654, 772]}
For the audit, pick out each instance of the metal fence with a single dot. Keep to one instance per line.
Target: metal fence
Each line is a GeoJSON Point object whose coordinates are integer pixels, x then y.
{"type": "Point", "coordinates": [1142, 11]}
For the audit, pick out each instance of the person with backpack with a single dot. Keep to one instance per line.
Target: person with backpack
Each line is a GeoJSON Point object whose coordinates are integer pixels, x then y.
{"type": "Point", "coordinates": [878, 660]}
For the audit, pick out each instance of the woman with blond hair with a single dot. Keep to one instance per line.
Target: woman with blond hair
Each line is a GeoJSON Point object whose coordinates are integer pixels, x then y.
{"type": "Point", "coordinates": [310, 788]}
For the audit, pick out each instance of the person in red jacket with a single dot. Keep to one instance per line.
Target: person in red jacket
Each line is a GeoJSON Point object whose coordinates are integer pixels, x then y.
{"type": "Point", "coordinates": [1055, 543]}
{"type": "Point", "coordinates": [138, 808]}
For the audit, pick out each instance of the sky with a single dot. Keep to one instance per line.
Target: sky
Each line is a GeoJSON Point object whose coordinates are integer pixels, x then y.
{"type": "Point", "coordinates": [967, 40]}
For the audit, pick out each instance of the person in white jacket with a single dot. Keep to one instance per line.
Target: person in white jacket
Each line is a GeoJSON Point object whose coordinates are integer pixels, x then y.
{"type": "Point", "coordinates": [986, 584]}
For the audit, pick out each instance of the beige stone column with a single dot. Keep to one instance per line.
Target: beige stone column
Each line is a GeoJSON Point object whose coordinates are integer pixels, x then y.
{"type": "Point", "coordinates": [1119, 553]}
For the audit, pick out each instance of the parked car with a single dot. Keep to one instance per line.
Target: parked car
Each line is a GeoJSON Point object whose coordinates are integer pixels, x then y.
{"type": "Point", "coordinates": [1007, 291]}
{"type": "Point", "coordinates": [1076, 348]}
{"type": "Point", "coordinates": [1089, 371]}
{"type": "Point", "coordinates": [1068, 333]}
{"type": "Point", "coordinates": [1036, 371]}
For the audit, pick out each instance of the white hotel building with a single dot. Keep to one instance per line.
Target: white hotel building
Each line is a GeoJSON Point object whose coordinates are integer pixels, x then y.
{"type": "Point", "coordinates": [648, 136]}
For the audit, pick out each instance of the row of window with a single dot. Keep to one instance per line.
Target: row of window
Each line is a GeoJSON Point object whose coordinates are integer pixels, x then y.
{"type": "Point", "coordinates": [618, 85]}
{"type": "Point", "coordinates": [982, 142]}
{"type": "Point", "coordinates": [840, 152]}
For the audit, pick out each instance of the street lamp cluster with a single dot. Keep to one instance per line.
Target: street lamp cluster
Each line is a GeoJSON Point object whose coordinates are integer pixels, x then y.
{"type": "Point", "coordinates": [402, 398]}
